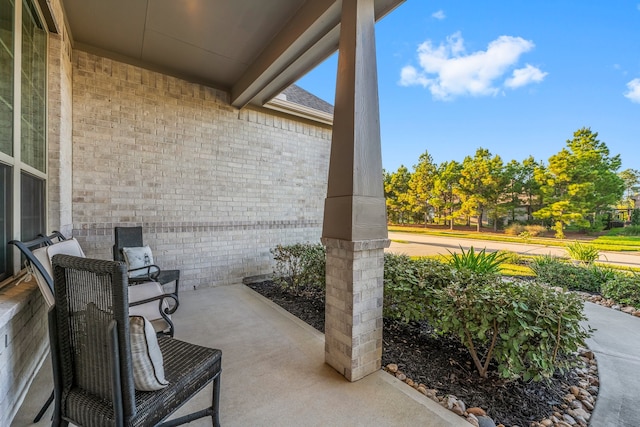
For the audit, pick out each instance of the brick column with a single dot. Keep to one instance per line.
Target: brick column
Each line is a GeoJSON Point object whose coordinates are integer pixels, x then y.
{"type": "Point", "coordinates": [355, 227]}
{"type": "Point", "coordinates": [353, 315]}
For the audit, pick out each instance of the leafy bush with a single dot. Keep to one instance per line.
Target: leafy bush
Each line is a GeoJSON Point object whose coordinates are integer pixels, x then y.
{"type": "Point", "coordinates": [623, 289]}
{"type": "Point", "coordinates": [631, 230]}
{"type": "Point", "coordinates": [635, 217]}
{"type": "Point", "coordinates": [299, 265]}
{"type": "Point", "coordinates": [407, 283]}
{"type": "Point", "coordinates": [556, 272]}
{"type": "Point", "coordinates": [535, 230]}
{"type": "Point", "coordinates": [477, 262]}
{"type": "Point", "coordinates": [525, 235]}
{"type": "Point", "coordinates": [559, 229]}
{"type": "Point", "coordinates": [525, 328]}
{"type": "Point", "coordinates": [514, 229]}
{"type": "Point", "coordinates": [601, 274]}
{"type": "Point", "coordinates": [510, 257]}
{"type": "Point", "coordinates": [583, 252]}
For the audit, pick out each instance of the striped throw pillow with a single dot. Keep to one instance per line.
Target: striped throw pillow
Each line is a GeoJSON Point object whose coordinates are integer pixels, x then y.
{"type": "Point", "coordinates": [148, 369]}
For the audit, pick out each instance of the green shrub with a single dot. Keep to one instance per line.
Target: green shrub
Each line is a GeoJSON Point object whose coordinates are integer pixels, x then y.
{"type": "Point", "coordinates": [559, 229]}
{"type": "Point", "coordinates": [510, 257]}
{"type": "Point", "coordinates": [601, 274]}
{"type": "Point", "coordinates": [477, 262]}
{"type": "Point", "coordinates": [407, 283]}
{"type": "Point", "coordinates": [556, 272]}
{"type": "Point", "coordinates": [635, 217]}
{"type": "Point", "coordinates": [584, 253]}
{"type": "Point", "coordinates": [299, 265]}
{"type": "Point", "coordinates": [514, 229]}
{"type": "Point", "coordinates": [623, 289]}
{"type": "Point", "coordinates": [525, 235]}
{"type": "Point", "coordinates": [526, 329]}
{"type": "Point", "coordinates": [631, 230]}
{"type": "Point", "coordinates": [535, 230]}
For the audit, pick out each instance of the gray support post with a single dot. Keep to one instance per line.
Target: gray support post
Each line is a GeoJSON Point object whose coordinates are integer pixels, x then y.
{"type": "Point", "coordinates": [355, 227]}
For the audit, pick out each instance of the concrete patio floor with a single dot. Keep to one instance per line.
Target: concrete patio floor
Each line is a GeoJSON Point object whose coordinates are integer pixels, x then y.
{"type": "Point", "coordinates": [273, 371]}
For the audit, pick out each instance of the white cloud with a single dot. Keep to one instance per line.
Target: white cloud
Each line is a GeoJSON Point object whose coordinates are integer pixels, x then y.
{"type": "Point", "coordinates": [524, 76]}
{"type": "Point", "coordinates": [439, 15]}
{"type": "Point", "coordinates": [634, 91]}
{"type": "Point", "coordinates": [448, 71]}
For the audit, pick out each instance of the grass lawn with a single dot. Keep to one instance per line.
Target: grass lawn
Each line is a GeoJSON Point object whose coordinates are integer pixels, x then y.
{"type": "Point", "coordinates": [603, 243]}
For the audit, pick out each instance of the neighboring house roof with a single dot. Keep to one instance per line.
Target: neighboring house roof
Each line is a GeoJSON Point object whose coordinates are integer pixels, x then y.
{"type": "Point", "coordinates": [296, 94]}
{"type": "Point", "coordinates": [298, 102]}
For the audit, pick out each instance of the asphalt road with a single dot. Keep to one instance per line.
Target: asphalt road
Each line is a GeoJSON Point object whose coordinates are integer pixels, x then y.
{"type": "Point", "coordinates": [422, 244]}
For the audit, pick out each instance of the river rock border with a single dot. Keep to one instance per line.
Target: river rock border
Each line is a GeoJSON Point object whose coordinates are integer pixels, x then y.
{"type": "Point", "coordinates": [600, 300]}
{"type": "Point", "coordinates": [574, 411]}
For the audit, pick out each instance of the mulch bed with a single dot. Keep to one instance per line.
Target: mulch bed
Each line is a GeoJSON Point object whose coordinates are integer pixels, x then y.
{"type": "Point", "coordinates": [439, 363]}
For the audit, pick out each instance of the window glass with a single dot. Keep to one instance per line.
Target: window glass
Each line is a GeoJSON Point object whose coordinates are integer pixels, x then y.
{"type": "Point", "coordinates": [5, 219]}
{"type": "Point", "coordinates": [22, 77]}
{"type": "Point", "coordinates": [33, 86]}
{"type": "Point", "coordinates": [6, 77]}
{"type": "Point", "coordinates": [32, 203]}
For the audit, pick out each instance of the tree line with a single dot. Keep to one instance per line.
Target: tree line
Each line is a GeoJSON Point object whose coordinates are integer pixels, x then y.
{"type": "Point", "coordinates": [578, 186]}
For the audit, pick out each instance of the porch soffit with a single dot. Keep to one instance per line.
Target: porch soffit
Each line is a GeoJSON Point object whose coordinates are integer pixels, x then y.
{"type": "Point", "coordinates": [253, 49]}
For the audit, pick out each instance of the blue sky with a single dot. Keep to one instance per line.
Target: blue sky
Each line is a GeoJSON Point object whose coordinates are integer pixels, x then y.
{"type": "Point", "coordinates": [516, 77]}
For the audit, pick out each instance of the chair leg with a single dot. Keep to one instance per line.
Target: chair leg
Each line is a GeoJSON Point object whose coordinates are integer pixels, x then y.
{"type": "Point", "coordinates": [44, 408]}
{"type": "Point", "coordinates": [215, 402]}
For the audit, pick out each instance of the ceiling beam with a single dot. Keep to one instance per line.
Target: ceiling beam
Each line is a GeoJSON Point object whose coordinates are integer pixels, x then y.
{"type": "Point", "coordinates": [312, 22]}
{"type": "Point", "coordinates": [308, 39]}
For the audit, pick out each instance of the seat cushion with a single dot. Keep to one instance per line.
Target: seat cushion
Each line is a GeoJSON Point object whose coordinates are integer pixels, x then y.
{"type": "Point", "coordinates": [47, 293]}
{"type": "Point", "coordinates": [44, 255]}
{"type": "Point", "coordinates": [149, 310]}
{"type": "Point", "coordinates": [66, 247]}
{"type": "Point", "coordinates": [148, 371]}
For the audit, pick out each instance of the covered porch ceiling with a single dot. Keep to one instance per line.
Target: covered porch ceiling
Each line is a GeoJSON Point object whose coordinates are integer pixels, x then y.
{"type": "Point", "coordinates": [253, 49]}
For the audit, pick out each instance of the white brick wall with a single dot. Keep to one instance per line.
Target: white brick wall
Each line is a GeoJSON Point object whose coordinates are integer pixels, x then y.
{"type": "Point", "coordinates": [353, 318]}
{"type": "Point", "coordinates": [214, 187]}
{"type": "Point", "coordinates": [23, 344]}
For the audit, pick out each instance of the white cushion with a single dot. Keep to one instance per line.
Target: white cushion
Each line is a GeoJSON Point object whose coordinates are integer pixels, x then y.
{"type": "Point", "coordinates": [47, 293]}
{"type": "Point", "coordinates": [136, 258]}
{"type": "Point", "coordinates": [148, 369]}
{"type": "Point", "coordinates": [66, 247]}
{"type": "Point", "coordinates": [44, 255]}
{"type": "Point", "coordinates": [149, 310]}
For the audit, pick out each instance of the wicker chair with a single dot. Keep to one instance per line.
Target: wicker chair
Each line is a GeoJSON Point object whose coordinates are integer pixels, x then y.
{"type": "Point", "coordinates": [146, 300]}
{"type": "Point", "coordinates": [91, 354]}
{"type": "Point", "coordinates": [131, 237]}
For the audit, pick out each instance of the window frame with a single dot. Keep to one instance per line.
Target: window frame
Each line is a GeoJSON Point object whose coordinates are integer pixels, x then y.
{"type": "Point", "coordinates": [15, 162]}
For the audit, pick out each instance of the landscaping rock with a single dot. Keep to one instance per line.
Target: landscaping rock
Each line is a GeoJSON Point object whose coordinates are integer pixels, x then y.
{"type": "Point", "coordinates": [576, 404]}
{"type": "Point", "coordinates": [587, 405]}
{"type": "Point", "coordinates": [392, 367]}
{"type": "Point", "coordinates": [471, 419]}
{"type": "Point", "coordinates": [484, 421]}
{"type": "Point", "coordinates": [581, 413]}
{"type": "Point", "coordinates": [476, 411]}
